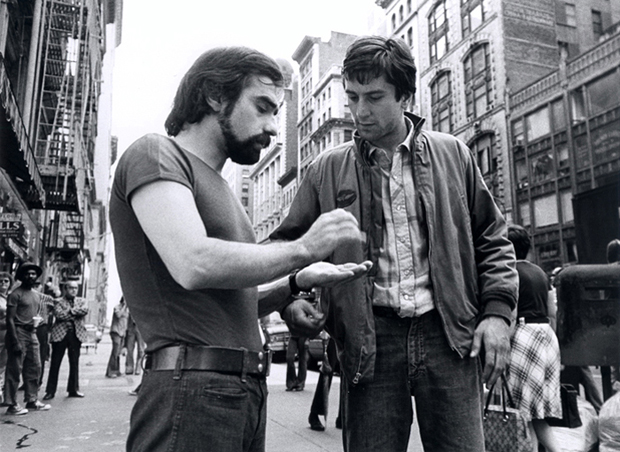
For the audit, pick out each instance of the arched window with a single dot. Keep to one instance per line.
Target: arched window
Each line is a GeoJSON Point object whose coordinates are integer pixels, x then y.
{"type": "Point", "coordinates": [408, 6]}
{"type": "Point", "coordinates": [401, 14]}
{"type": "Point", "coordinates": [485, 150]}
{"type": "Point", "coordinates": [472, 15]}
{"type": "Point", "coordinates": [393, 22]}
{"type": "Point", "coordinates": [438, 32]}
{"type": "Point", "coordinates": [441, 103]}
{"type": "Point", "coordinates": [478, 87]}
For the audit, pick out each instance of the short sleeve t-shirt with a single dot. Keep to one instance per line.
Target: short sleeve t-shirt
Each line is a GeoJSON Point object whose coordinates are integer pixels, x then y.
{"type": "Point", "coordinates": [534, 289]}
{"type": "Point", "coordinates": [27, 305]}
{"type": "Point", "coordinates": [166, 313]}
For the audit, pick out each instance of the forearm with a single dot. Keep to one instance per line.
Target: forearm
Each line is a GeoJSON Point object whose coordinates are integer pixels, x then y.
{"type": "Point", "coordinates": [274, 296]}
{"type": "Point", "coordinates": [222, 265]}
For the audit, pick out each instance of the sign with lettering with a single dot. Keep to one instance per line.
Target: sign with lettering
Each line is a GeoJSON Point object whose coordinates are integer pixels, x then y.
{"type": "Point", "coordinates": [10, 224]}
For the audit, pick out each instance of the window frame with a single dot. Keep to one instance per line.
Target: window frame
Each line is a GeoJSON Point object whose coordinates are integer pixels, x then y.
{"type": "Point", "coordinates": [474, 81]}
{"type": "Point", "coordinates": [438, 32]}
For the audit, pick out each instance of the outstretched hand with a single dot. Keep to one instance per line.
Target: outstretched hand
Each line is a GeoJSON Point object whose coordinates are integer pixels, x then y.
{"type": "Point", "coordinates": [493, 336]}
{"type": "Point", "coordinates": [302, 317]}
{"type": "Point", "coordinates": [324, 274]}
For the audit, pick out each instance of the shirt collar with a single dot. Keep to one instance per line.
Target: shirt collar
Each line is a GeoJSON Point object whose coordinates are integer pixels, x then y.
{"type": "Point", "coordinates": [406, 143]}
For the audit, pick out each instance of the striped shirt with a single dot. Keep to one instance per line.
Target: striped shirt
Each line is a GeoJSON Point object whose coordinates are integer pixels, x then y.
{"type": "Point", "coordinates": [403, 278]}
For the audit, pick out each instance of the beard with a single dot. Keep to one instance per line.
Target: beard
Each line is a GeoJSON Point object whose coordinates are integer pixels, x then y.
{"type": "Point", "coordinates": [243, 152]}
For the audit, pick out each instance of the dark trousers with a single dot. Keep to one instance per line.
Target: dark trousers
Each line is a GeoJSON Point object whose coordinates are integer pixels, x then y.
{"type": "Point", "coordinates": [320, 401]}
{"type": "Point", "coordinates": [114, 364]}
{"type": "Point", "coordinates": [26, 365]}
{"type": "Point", "coordinates": [72, 345]}
{"type": "Point", "coordinates": [296, 346]}
{"type": "Point", "coordinates": [134, 341]}
{"type": "Point", "coordinates": [43, 336]}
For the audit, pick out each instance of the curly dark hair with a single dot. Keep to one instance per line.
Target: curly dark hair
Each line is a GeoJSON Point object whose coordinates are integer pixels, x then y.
{"type": "Point", "coordinates": [219, 73]}
{"type": "Point", "coordinates": [371, 57]}
{"type": "Point", "coordinates": [520, 239]}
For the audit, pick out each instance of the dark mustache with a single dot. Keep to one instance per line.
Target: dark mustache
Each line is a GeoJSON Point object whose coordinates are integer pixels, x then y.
{"type": "Point", "coordinates": [264, 139]}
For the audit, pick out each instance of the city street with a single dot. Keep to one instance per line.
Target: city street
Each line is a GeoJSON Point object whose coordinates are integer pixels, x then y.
{"type": "Point", "coordinates": [100, 421]}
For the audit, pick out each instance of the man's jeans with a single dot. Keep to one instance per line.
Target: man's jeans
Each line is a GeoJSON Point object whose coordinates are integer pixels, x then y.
{"type": "Point", "coordinates": [198, 410]}
{"type": "Point", "coordinates": [26, 364]}
{"type": "Point", "coordinates": [415, 359]}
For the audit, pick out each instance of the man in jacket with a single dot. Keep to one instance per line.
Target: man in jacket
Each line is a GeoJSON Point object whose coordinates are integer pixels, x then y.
{"type": "Point", "coordinates": [443, 285]}
{"type": "Point", "coordinates": [68, 333]}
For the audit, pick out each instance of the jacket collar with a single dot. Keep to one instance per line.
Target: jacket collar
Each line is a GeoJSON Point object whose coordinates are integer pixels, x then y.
{"type": "Point", "coordinates": [363, 147]}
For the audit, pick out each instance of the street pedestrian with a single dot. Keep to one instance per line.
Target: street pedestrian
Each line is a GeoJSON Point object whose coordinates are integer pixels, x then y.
{"type": "Point", "coordinates": [320, 400]}
{"type": "Point", "coordinates": [6, 282]}
{"type": "Point", "coordinates": [68, 333]}
{"type": "Point", "coordinates": [533, 372]}
{"type": "Point", "coordinates": [443, 285]}
{"type": "Point", "coordinates": [135, 348]}
{"type": "Point", "coordinates": [23, 316]}
{"type": "Point", "coordinates": [118, 329]}
{"type": "Point", "coordinates": [189, 266]}
{"type": "Point", "coordinates": [296, 377]}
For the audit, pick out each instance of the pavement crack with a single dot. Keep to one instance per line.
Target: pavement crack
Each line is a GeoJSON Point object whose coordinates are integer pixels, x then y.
{"type": "Point", "coordinates": [20, 442]}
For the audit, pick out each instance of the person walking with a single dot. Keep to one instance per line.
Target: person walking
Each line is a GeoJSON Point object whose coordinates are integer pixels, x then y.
{"type": "Point", "coordinates": [297, 348]}
{"type": "Point", "coordinates": [6, 282]}
{"type": "Point", "coordinates": [68, 333]}
{"type": "Point", "coordinates": [320, 400]}
{"type": "Point", "coordinates": [135, 348]}
{"type": "Point", "coordinates": [23, 308]}
{"type": "Point", "coordinates": [118, 329]}
{"type": "Point", "coordinates": [533, 373]}
{"type": "Point", "coordinates": [190, 267]}
{"type": "Point", "coordinates": [441, 293]}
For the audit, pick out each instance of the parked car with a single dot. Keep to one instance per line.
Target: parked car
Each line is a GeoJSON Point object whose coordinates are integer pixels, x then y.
{"type": "Point", "coordinates": [276, 336]}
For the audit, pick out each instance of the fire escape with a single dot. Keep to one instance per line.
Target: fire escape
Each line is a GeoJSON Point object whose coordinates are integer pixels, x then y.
{"type": "Point", "coordinates": [64, 139]}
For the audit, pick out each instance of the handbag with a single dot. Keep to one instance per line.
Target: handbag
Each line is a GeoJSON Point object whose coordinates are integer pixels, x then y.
{"type": "Point", "coordinates": [505, 429]}
{"type": "Point", "coordinates": [570, 410]}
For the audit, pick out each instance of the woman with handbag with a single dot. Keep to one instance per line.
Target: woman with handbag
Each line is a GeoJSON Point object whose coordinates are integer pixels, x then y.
{"type": "Point", "coordinates": [534, 369]}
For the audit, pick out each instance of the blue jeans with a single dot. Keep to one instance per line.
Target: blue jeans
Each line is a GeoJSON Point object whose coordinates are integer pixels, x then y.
{"type": "Point", "coordinates": [415, 359]}
{"type": "Point", "coordinates": [198, 411]}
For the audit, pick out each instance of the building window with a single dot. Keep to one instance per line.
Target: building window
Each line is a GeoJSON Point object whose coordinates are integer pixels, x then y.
{"type": "Point", "coordinates": [537, 124]}
{"type": "Point", "coordinates": [597, 24]}
{"type": "Point", "coordinates": [545, 211]}
{"type": "Point", "coordinates": [603, 93]}
{"type": "Point", "coordinates": [401, 14]}
{"type": "Point", "coordinates": [571, 14]}
{"type": "Point", "coordinates": [393, 22]}
{"type": "Point", "coordinates": [438, 32]}
{"type": "Point", "coordinates": [348, 135]}
{"type": "Point", "coordinates": [517, 132]}
{"type": "Point", "coordinates": [472, 15]}
{"type": "Point", "coordinates": [410, 37]}
{"type": "Point", "coordinates": [478, 91]}
{"type": "Point", "coordinates": [441, 103]}
{"type": "Point", "coordinates": [559, 116]}
{"type": "Point", "coordinates": [542, 167]}
{"type": "Point", "coordinates": [486, 154]}
{"type": "Point", "coordinates": [408, 6]}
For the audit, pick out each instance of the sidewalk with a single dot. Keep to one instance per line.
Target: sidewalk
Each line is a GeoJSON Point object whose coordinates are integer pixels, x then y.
{"type": "Point", "coordinates": [100, 421]}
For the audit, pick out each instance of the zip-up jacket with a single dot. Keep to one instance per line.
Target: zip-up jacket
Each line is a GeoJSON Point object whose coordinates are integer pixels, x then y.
{"type": "Point", "coordinates": [472, 263]}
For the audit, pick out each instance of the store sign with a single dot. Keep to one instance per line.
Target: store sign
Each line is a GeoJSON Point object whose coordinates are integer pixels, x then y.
{"type": "Point", "coordinates": [10, 224]}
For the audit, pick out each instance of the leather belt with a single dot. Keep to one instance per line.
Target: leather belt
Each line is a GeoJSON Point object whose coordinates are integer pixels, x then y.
{"type": "Point", "coordinates": [384, 311]}
{"type": "Point", "coordinates": [237, 361]}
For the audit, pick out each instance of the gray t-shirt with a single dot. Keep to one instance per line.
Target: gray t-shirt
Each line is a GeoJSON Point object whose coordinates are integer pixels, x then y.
{"type": "Point", "coordinates": [165, 312]}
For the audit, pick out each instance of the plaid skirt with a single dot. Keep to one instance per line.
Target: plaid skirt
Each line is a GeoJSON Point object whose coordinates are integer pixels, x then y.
{"type": "Point", "coordinates": [534, 371]}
